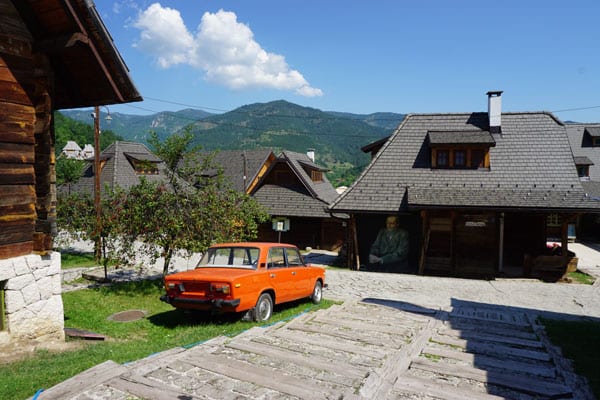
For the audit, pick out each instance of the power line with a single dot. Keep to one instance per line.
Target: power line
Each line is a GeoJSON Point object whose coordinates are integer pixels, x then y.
{"type": "Point", "coordinates": [576, 109]}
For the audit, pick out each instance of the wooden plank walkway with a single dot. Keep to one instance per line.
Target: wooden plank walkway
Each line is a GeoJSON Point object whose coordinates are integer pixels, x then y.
{"type": "Point", "coordinates": [358, 350]}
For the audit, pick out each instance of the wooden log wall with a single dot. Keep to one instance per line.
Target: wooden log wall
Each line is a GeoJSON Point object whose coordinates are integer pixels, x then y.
{"type": "Point", "coordinates": [27, 174]}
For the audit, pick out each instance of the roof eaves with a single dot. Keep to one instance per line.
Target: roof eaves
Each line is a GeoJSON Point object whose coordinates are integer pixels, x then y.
{"type": "Point", "coordinates": [299, 172]}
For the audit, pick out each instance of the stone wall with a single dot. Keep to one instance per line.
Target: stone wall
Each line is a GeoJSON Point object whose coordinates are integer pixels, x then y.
{"type": "Point", "coordinates": [32, 295]}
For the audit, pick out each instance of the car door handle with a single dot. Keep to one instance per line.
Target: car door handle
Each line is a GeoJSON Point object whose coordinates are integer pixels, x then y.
{"type": "Point", "coordinates": [293, 272]}
{"type": "Point", "coordinates": [272, 275]}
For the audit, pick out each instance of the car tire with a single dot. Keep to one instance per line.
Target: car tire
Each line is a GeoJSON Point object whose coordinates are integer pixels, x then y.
{"type": "Point", "coordinates": [264, 308]}
{"type": "Point", "coordinates": [317, 293]}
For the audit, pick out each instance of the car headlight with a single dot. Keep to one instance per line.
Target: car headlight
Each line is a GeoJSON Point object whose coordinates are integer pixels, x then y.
{"type": "Point", "coordinates": [220, 287]}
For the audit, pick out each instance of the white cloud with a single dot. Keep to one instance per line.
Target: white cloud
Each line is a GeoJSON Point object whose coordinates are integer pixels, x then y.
{"type": "Point", "coordinates": [222, 47]}
{"type": "Point", "coordinates": [164, 36]}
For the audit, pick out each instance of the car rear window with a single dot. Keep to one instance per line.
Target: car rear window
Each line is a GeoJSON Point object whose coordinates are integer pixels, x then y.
{"type": "Point", "coordinates": [231, 257]}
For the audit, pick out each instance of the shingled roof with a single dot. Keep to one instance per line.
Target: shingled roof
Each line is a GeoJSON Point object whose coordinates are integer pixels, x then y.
{"type": "Point", "coordinates": [531, 168]}
{"type": "Point", "coordinates": [305, 199]}
{"type": "Point", "coordinates": [237, 163]}
{"type": "Point", "coordinates": [580, 138]}
{"type": "Point", "coordinates": [118, 169]}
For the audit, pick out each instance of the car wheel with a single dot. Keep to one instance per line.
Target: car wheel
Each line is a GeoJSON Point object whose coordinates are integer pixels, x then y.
{"type": "Point", "coordinates": [317, 293]}
{"type": "Point", "coordinates": [264, 308]}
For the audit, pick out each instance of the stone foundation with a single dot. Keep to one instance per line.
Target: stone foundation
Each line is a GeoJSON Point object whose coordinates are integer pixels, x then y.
{"type": "Point", "coordinates": [33, 305]}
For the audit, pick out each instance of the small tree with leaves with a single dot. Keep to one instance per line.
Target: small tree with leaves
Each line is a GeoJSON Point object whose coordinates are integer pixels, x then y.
{"type": "Point", "coordinates": [174, 215]}
{"type": "Point", "coordinates": [68, 171]}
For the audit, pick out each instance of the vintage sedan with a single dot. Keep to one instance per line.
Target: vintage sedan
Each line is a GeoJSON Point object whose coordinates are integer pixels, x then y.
{"type": "Point", "coordinates": [251, 277]}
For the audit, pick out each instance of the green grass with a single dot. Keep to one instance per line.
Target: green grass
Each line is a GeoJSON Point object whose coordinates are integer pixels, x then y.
{"type": "Point", "coordinates": [579, 341]}
{"type": "Point", "coordinates": [581, 277]}
{"type": "Point", "coordinates": [77, 260]}
{"type": "Point", "coordinates": [162, 329]}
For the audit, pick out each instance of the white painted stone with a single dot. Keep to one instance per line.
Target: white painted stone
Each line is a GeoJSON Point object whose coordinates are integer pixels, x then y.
{"type": "Point", "coordinates": [21, 324]}
{"type": "Point", "coordinates": [56, 285]}
{"type": "Point", "coordinates": [33, 299]}
{"type": "Point", "coordinates": [21, 265]}
{"type": "Point", "coordinates": [20, 282]}
{"type": "Point", "coordinates": [31, 294]}
{"type": "Point", "coordinates": [14, 301]}
{"type": "Point", "coordinates": [39, 273]}
{"type": "Point", "coordinates": [46, 287]}
{"type": "Point", "coordinates": [55, 263]}
{"type": "Point", "coordinates": [7, 270]}
{"type": "Point", "coordinates": [36, 307]}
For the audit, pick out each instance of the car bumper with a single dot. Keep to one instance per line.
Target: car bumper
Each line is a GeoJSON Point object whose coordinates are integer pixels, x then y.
{"type": "Point", "coordinates": [213, 303]}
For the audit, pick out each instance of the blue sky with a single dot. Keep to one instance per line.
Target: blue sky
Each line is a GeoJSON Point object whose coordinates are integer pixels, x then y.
{"type": "Point", "coordinates": [361, 56]}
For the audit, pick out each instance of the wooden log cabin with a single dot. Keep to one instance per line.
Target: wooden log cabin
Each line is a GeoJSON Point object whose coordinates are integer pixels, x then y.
{"type": "Point", "coordinates": [54, 54]}
{"type": "Point", "coordinates": [474, 191]}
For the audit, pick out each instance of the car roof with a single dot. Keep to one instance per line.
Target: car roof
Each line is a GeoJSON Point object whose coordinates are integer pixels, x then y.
{"type": "Point", "coordinates": [254, 244]}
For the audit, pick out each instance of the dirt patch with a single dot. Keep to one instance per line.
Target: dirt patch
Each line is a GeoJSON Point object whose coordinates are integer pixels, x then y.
{"type": "Point", "coordinates": [21, 350]}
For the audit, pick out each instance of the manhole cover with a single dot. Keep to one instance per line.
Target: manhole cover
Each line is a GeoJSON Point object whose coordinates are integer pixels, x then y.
{"type": "Point", "coordinates": [128, 316]}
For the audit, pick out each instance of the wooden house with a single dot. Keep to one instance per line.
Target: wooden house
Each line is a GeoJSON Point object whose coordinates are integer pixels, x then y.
{"type": "Point", "coordinates": [295, 192]}
{"type": "Point", "coordinates": [54, 54]}
{"type": "Point", "coordinates": [473, 190]}
{"type": "Point", "coordinates": [122, 164]}
{"type": "Point", "coordinates": [585, 144]}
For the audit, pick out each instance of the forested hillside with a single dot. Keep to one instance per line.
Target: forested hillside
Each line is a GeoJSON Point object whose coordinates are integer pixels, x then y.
{"type": "Point", "coordinates": [136, 128]}
{"type": "Point", "coordinates": [279, 125]}
{"type": "Point", "coordinates": [68, 129]}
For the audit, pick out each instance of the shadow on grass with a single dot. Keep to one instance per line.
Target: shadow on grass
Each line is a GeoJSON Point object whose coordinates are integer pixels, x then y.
{"type": "Point", "coordinates": [132, 288]}
{"type": "Point", "coordinates": [181, 318]}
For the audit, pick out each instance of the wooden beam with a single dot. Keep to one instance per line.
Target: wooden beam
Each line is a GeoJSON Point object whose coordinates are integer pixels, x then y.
{"type": "Point", "coordinates": [57, 44]}
{"type": "Point", "coordinates": [12, 173]}
{"type": "Point", "coordinates": [15, 249]}
{"type": "Point", "coordinates": [425, 243]}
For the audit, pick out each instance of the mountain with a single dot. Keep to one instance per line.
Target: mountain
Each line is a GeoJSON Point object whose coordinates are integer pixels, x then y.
{"type": "Point", "coordinates": [278, 125]}
{"type": "Point", "coordinates": [136, 128]}
{"type": "Point", "coordinates": [386, 120]}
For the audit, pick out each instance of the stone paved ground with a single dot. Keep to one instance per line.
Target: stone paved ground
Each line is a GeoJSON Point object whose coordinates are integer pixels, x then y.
{"type": "Point", "coordinates": [370, 349]}
{"type": "Point", "coordinates": [394, 337]}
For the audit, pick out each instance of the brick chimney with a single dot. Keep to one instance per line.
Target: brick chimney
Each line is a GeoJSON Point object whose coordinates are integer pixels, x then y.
{"type": "Point", "coordinates": [495, 111]}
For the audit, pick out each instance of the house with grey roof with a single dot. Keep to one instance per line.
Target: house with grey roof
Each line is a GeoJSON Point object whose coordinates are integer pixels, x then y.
{"type": "Point", "coordinates": [122, 164]}
{"type": "Point", "coordinates": [293, 189]}
{"type": "Point", "coordinates": [473, 190]}
{"type": "Point", "coordinates": [585, 144]}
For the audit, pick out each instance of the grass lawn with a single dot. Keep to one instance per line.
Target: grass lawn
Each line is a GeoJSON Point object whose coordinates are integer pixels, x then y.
{"type": "Point", "coordinates": [76, 260]}
{"type": "Point", "coordinates": [162, 329]}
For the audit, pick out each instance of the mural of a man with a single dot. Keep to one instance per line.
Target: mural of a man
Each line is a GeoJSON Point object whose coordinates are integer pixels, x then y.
{"type": "Point", "coordinates": [389, 251]}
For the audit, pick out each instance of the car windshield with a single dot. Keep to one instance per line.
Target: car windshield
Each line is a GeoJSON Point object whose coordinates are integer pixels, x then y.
{"type": "Point", "coordinates": [230, 257]}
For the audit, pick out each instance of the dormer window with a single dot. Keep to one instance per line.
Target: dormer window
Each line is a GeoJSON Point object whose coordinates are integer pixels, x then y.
{"type": "Point", "coordinates": [442, 158]}
{"type": "Point", "coordinates": [143, 164]}
{"type": "Point", "coordinates": [583, 167]}
{"type": "Point", "coordinates": [593, 132]}
{"type": "Point", "coordinates": [313, 170]}
{"type": "Point", "coordinates": [460, 149]}
{"type": "Point", "coordinates": [316, 176]}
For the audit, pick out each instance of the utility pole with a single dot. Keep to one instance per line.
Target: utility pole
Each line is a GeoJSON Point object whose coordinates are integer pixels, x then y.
{"type": "Point", "coordinates": [97, 205]}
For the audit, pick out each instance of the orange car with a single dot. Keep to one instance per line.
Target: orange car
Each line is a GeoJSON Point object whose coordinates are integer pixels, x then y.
{"type": "Point", "coordinates": [237, 277]}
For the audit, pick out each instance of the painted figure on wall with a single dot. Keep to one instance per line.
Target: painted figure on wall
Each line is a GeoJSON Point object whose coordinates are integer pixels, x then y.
{"type": "Point", "coordinates": [389, 251]}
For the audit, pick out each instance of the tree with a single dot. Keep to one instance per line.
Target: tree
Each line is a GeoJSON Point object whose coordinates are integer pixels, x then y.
{"type": "Point", "coordinates": [68, 171]}
{"type": "Point", "coordinates": [76, 218]}
{"type": "Point", "coordinates": [169, 216]}
{"type": "Point", "coordinates": [176, 215]}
